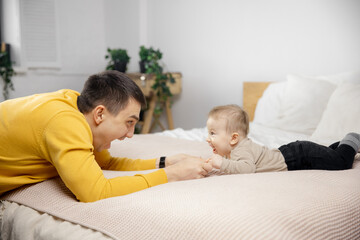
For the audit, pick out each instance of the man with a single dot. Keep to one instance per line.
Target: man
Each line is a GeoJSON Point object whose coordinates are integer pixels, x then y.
{"type": "Point", "coordinates": [67, 134]}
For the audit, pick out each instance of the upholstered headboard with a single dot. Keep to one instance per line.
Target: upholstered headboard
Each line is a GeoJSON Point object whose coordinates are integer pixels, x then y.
{"type": "Point", "coordinates": [252, 92]}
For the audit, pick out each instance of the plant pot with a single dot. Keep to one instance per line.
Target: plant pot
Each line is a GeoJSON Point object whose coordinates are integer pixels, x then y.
{"type": "Point", "coordinates": [120, 66]}
{"type": "Point", "coordinates": [142, 66]}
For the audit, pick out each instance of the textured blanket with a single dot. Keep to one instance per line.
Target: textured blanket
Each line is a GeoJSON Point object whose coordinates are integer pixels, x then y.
{"type": "Point", "coordinates": [280, 205]}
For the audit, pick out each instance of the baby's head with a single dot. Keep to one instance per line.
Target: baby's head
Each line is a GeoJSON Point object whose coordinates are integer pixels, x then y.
{"type": "Point", "coordinates": [227, 125]}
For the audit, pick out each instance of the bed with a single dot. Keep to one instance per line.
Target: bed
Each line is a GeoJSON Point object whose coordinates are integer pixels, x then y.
{"type": "Point", "coordinates": [310, 204]}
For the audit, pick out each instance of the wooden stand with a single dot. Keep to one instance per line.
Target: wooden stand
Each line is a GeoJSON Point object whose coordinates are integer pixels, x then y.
{"type": "Point", "coordinates": [145, 82]}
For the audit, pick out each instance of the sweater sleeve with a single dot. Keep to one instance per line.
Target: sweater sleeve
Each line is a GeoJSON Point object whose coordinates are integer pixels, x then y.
{"type": "Point", "coordinates": [67, 144]}
{"type": "Point", "coordinates": [244, 163]}
{"type": "Point", "coordinates": [107, 162]}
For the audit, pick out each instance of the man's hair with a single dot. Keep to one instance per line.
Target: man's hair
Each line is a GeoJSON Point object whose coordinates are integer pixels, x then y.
{"type": "Point", "coordinates": [237, 120]}
{"type": "Point", "coordinates": [112, 89]}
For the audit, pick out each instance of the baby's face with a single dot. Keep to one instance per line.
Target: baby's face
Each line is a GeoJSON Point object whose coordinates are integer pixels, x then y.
{"type": "Point", "coordinates": [218, 138]}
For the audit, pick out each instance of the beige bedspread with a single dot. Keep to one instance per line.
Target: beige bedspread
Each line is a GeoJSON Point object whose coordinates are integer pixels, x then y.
{"type": "Point", "coordinates": [283, 205]}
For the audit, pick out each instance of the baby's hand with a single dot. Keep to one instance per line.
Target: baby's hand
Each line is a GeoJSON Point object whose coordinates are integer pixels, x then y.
{"type": "Point", "coordinates": [216, 161]}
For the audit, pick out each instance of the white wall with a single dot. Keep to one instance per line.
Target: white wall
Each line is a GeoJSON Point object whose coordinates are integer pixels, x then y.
{"type": "Point", "coordinates": [219, 44]}
{"type": "Point", "coordinates": [122, 23]}
{"type": "Point", "coordinates": [215, 44]}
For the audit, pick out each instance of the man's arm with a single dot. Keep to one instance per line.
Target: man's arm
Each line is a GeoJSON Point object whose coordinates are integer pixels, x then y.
{"type": "Point", "coordinates": [107, 162]}
{"type": "Point", "coordinates": [67, 144]}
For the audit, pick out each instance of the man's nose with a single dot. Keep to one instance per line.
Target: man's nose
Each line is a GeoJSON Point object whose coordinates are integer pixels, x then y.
{"type": "Point", "coordinates": [130, 133]}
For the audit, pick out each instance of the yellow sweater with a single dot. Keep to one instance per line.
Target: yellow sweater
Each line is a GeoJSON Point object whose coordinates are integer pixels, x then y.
{"type": "Point", "coordinates": [45, 135]}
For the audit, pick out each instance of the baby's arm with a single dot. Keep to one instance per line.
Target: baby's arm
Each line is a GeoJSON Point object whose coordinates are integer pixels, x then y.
{"type": "Point", "coordinates": [244, 164]}
{"type": "Point", "coordinates": [231, 166]}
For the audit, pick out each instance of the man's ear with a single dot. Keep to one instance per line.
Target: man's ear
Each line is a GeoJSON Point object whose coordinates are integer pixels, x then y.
{"type": "Point", "coordinates": [234, 138]}
{"type": "Point", "coordinates": [98, 114]}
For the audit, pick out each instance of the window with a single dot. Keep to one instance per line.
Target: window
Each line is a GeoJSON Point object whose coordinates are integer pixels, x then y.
{"type": "Point", "coordinates": [31, 27]}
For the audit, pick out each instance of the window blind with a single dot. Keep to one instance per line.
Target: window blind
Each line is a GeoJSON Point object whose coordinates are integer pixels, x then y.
{"type": "Point", "coordinates": [39, 33]}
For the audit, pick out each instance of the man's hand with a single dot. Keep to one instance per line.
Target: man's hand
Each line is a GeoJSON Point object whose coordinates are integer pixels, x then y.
{"type": "Point", "coordinates": [188, 168]}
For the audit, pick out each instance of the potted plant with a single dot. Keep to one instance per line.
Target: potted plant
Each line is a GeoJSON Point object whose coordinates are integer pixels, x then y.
{"type": "Point", "coordinates": [151, 60]}
{"type": "Point", "coordinates": [147, 57]}
{"type": "Point", "coordinates": [118, 59]}
{"type": "Point", "coordinates": [6, 70]}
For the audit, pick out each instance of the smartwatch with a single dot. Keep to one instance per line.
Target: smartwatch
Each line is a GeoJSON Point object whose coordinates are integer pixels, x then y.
{"type": "Point", "coordinates": [162, 162]}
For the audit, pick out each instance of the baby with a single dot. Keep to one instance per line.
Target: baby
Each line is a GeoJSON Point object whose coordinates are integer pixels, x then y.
{"type": "Point", "coordinates": [234, 152]}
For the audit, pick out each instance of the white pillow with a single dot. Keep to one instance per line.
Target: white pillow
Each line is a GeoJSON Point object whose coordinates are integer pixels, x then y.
{"type": "Point", "coordinates": [341, 116]}
{"type": "Point", "coordinates": [303, 103]}
{"type": "Point", "coordinates": [268, 106]}
{"type": "Point", "coordinates": [337, 79]}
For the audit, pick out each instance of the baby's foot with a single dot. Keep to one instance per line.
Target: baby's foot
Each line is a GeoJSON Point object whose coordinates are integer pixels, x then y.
{"type": "Point", "coordinates": [352, 140]}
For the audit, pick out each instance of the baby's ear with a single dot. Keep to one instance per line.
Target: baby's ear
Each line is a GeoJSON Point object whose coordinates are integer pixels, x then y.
{"type": "Point", "coordinates": [234, 138]}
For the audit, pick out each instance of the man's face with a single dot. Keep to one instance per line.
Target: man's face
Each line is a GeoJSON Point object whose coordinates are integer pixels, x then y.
{"type": "Point", "coordinates": [218, 138]}
{"type": "Point", "coordinates": [116, 127]}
